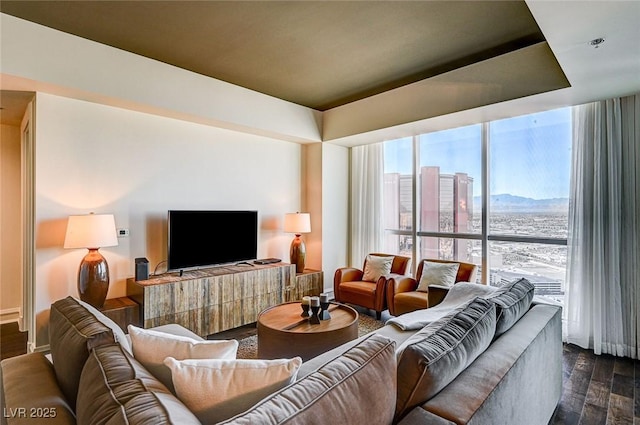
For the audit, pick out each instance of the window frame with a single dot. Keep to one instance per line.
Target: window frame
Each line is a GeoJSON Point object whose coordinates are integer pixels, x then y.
{"type": "Point", "coordinates": [484, 236]}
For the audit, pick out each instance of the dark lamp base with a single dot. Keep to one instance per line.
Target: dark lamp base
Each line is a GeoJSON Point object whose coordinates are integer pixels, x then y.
{"type": "Point", "coordinates": [93, 279]}
{"type": "Point", "coordinates": [298, 254]}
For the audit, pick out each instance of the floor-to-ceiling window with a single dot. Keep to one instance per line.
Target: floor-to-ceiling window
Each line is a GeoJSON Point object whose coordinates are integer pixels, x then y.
{"type": "Point", "coordinates": [494, 194]}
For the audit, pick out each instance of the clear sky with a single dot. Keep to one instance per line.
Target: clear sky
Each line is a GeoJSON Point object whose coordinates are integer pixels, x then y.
{"type": "Point", "coordinates": [530, 155]}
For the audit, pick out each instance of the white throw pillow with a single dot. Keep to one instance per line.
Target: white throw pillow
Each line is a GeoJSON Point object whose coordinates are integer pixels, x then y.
{"type": "Point", "coordinates": [443, 274]}
{"type": "Point", "coordinates": [376, 266]}
{"type": "Point", "coordinates": [151, 348]}
{"type": "Point", "coordinates": [215, 390]}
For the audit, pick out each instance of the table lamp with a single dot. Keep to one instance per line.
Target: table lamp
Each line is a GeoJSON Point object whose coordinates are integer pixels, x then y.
{"type": "Point", "coordinates": [92, 231]}
{"type": "Point", "coordinates": [297, 223]}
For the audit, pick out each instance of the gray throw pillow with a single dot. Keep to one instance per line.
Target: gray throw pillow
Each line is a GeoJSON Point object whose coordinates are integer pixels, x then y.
{"type": "Point", "coordinates": [512, 301]}
{"type": "Point", "coordinates": [438, 353]}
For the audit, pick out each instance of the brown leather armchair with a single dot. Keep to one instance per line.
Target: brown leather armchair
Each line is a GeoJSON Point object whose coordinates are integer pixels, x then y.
{"type": "Point", "coordinates": [348, 286]}
{"type": "Point", "coordinates": [402, 296]}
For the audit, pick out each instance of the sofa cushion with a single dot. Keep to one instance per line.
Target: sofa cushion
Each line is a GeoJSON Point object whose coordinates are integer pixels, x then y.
{"type": "Point", "coordinates": [30, 392]}
{"type": "Point", "coordinates": [442, 274]}
{"type": "Point", "coordinates": [73, 332]}
{"type": "Point", "coordinates": [376, 266]}
{"type": "Point", "coordinates": [516, 380]}
{"type": "Point", "coordinates": [512, 300]}
{"type": "Point", "coordinates": [118, 333]}
{"type": "Point", "coordinates": [151, 347]}
{"type": "Point", "coordinates": [215, 390]}
{"type": "Point", "coordinates": [326, 396]}
{"type": "Point", "coordinates": [117, 389]}
{"type": "Point", "coordinates": [435, 355]}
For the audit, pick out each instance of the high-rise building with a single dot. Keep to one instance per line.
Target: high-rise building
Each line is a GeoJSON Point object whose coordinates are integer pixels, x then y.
{"type": "Point", "coordinates": [430, 208]}
{"type": "Point", "coordinates": [446, 205]}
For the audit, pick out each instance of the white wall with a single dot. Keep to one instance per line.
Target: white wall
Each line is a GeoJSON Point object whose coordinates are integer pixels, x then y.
{"type": "Point", "coordinates": [10, 235]}
{"type": "Point", "coordinates": [92, 157]}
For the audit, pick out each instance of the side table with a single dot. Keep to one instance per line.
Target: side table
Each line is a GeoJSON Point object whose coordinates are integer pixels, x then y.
{"type": "Point", "coordinates": [124, 311]}
{"type": "Point", "coordinates": [309, 282]}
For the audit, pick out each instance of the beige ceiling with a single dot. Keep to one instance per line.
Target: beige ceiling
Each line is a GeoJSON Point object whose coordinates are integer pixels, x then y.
{"type": "Point", "coordinates": [320, 54]}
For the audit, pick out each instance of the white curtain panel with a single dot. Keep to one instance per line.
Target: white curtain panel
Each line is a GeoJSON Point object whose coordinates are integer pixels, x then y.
{"type": "Point", "coordinates": [367, 213]}
{"type": "Point", "coordinates": [602, 296]}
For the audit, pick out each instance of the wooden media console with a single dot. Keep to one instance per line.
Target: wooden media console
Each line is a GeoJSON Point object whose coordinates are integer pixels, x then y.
{"type": "Point", "coordinates": [212, 300]}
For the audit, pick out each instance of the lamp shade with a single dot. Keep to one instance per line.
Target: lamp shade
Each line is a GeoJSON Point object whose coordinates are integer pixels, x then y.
{"type": "Point", "coordinates": [91, 231]}
{"type": "Point", "coordinates": [297, 223]}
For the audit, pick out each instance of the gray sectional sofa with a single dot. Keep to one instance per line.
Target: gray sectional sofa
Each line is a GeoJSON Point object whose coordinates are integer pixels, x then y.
{"type": "Point", "coordinates": [454, 370]}
{"type": "Point", "coordinates": [517, 379]}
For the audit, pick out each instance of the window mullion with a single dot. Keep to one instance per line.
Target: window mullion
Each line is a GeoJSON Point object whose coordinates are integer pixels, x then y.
{"type": "Point", "coordinates": [415, 202]}
{"type": "Point", "coordinates": [485, 203]}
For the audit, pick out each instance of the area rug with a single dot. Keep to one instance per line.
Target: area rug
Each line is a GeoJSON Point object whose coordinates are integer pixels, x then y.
{"type": "Point", "coordinates": [248, 347]}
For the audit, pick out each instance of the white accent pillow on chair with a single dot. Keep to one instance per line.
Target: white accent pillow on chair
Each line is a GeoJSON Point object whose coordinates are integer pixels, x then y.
{"type": "Point", "coordinates": [376, 266]}
{"type": "Point", "coordinates": [443, 274]}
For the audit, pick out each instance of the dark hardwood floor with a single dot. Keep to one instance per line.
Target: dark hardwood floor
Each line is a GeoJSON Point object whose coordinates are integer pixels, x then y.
{"type": "Point", "coordinates": [597, 390]}
{"type": "Point", "coordinates": [12, 341]}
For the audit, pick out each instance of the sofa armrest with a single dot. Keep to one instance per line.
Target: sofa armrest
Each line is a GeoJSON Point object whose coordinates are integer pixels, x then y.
{"type": "Point", "coordinates": [30, 392]}
{"type": "Point", "coordinates": [380, 302]}
{"type": "Point", "coordinates": [396, 285]}
{"type": "Point", "coordinates": [348, 274]}
{"type": "Point", "coordinates": [345, 274]}
{"type": "Point", "coordinates": [437, 294]}
{"type": "Point", "coordinates": [399, 283]}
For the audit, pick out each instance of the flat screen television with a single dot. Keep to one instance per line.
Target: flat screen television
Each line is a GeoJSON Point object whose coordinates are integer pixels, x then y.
{"type": "Point", "coordinates": [207, 238]}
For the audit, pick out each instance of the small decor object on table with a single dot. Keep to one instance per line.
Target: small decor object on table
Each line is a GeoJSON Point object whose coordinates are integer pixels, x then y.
{"type": "Point", "coordinates": [306, 304]}
{"type": "Point", "coordinates": [315, 310]}
{"type": "Point", "coordinates": [324, 307]}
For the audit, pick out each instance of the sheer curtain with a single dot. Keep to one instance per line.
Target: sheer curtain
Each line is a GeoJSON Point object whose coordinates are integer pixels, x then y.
{"type": "Point", "coordinates": [602, 296]}
{"type": "Point", "coordinates": [367, 214]}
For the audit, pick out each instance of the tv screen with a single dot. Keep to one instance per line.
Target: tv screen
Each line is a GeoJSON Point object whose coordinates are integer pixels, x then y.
{"type": "Point", "coordinates": [206, 238]}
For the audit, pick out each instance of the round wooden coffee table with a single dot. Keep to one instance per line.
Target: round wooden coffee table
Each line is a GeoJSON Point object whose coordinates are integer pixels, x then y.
{"type": "Point", "coordinates": [283, 333]}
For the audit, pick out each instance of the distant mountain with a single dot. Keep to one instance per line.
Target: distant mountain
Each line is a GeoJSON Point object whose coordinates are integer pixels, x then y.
{"type": "Point", "coordinates": [507, 203]}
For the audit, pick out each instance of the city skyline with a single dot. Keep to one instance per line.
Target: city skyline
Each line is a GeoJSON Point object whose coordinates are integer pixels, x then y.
{"type": "Point", "coordinates": [530, 156]}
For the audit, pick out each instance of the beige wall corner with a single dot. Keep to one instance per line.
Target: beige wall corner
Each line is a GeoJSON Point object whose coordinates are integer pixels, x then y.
{"type": "Point", "coordinates": [10, 236]}
{"type": "Point", "coordinates": [326, 185]}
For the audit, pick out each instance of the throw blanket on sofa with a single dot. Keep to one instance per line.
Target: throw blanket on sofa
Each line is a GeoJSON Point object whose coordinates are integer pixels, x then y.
{"type": "Point", "coordinates": [459, 293]}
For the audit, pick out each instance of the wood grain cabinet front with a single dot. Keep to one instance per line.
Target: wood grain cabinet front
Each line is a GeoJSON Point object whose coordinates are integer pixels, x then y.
{"type": "Point", "coordinates": [213, 300]}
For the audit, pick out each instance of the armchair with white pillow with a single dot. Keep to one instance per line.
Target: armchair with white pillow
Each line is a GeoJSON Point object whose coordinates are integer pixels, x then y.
{"type": "Point", "coordinates": [429, 287]}
{"type": "Point", "coordinates": [367, 287]}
